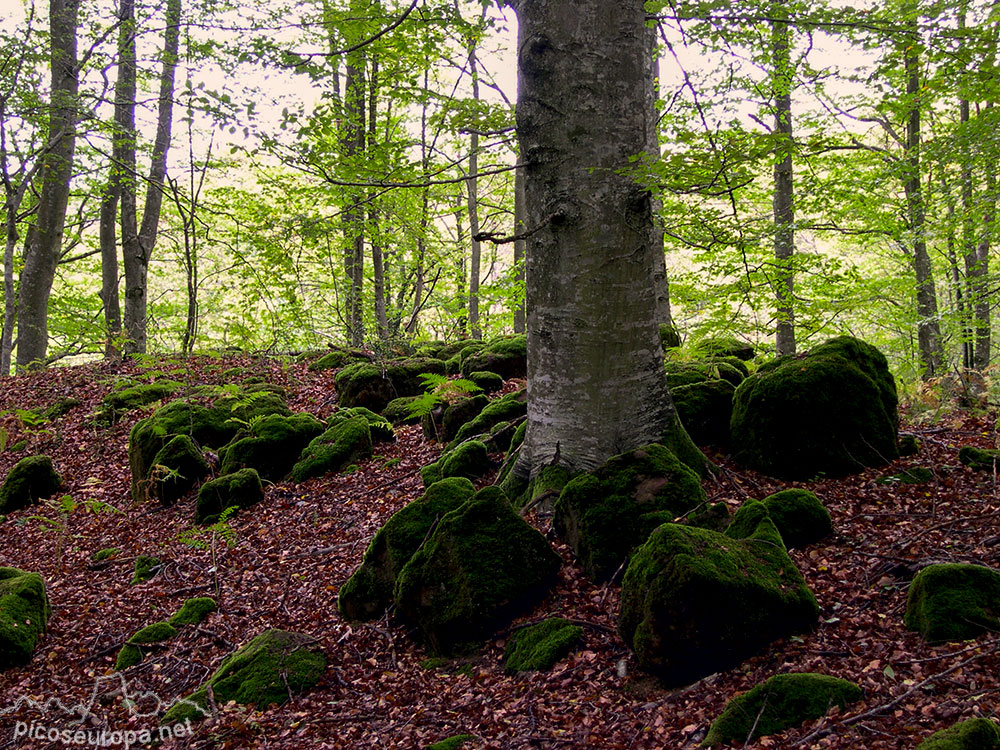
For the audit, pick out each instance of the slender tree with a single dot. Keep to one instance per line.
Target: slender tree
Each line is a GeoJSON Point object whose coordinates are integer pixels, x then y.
{"type": "Point", "coordinates": [783, 203]}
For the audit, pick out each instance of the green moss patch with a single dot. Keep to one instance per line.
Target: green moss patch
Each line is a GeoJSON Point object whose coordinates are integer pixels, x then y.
{"type": "Point", "coordinates": [504, 409]}
{"type": "Point", "coordinates": [177, 467]}
{"type": "Point", "coordinates": [723, 346]}
{"type": "Point", "coordinates": [681, 372]}
{"type": "Point", "coordinates": [540, 646]}
{"type": "Point", "coordinates": [273, 445]}
{"type": "Point", "coordinates": [980, 459]}
{"type": "Point", "coordinates": [696, 602]}
{"type": "Point", "coordinates": [452, 743]}
{"type": "Point", "coordinates": [800, 516]}
{"type": "Point", "coordinates": [193, 611]}
{"type": "Point", "coordinates": [972, 734]}
{"type": "Point", "coordinates": [241, 489]}
{"type": "Point", "coordinates": [399, 411]}
{"type": "Point", "coordinates": [340, 446]}
{"type": "Point", "coordinates": [830, 412]}
{"type": "Point", "coordinates": [507, 357]}
{"type": "Point", "coordinates": [338, 357]}
{"type": "Point", "coordinates": [443, 424]}
{"type": "Point", "coordinates": [953, 602]}
{"type": "Point", "coordinates": [469, 460]}
{"type": "Point", "coordinates": [105, 554]}
{"type": "Point", "coordinates": [369, 591]}
{"type": "Point", "coordinates": [146, 566]}
{"type": "Point", "coordinates": [481, 566]}
{"type": "Point", "coordinates": [705, 410]}
{"type": "Point", "coordinates": [916, 475]}
{"type": "Point", "coordinates": [373, 385]}
{"type": "Point", "coordinates": [24, 612]}
{"type": "Point", "coordinates": [605, 514]}
{"type": "Point", "coordinates": [118, 402]}
{"type": "Point", "coordinates": [31, 479]}
{"type": "Point", "coordinates": [489, 382]}
{"type": "Point", "coordinates": [271, 668]}
{"type": "Point", "coordinates": [781, 702]}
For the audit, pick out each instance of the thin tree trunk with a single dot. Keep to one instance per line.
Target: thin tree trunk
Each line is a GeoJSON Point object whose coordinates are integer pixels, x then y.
{"type": "Point", "coordinates": [653, 153]}
{"type": "Point", "coordinates": [520, 226]}
{"type": "Point", "coordinates": [378, 265]}
{"type": "Point", "coordinates": [461, 275]}
{"type": "Point", "coordinates": [784, 191]}
{"type": "Point", "coordinates": [980, 275]}
{"type": "Point", "coordinates": [44, 240]}
{"type": "Point", "coordinates": [472, 186]}
{"type": "Point", "coordinates": [354, 215]}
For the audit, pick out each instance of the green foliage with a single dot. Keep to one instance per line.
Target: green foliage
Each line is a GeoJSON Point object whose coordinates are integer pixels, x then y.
{"type": "Point", "coordinates": [203, 538]}
{"type": "Point", "coordinates": [146, 566]}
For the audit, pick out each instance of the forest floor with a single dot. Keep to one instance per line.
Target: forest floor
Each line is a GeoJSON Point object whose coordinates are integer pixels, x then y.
{"type": "Point", "coordinates": [289, 556]}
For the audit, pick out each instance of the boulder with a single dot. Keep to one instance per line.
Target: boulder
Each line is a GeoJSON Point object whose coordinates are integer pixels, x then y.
{"type": "Point", "coordinates": [241, 489]}
{"type": "Point", "coordinates": [705, 410]}
{"type": "Point", "coordinates": [481, 566]}
{"type": "Point", "coordinates": [781, 702]}
{"type": "Point", "coordinates": [193, 611]}
{"type": "Point", "coordinates": [972, 734]}
{"type": "Point", "coordinates": [603, 515]}
{"type": "Point", "coordinates": [724, 346]}
{"type": "Point", "coordinates": [442, 424]}
{"type": "Point", "coordinates": [30, 480]}
{"type": "Point", "coordinates": [489, 382]}
{"type": "Point", "coordinates": [341, 445]}
{"type": "Point", "coordinates": [122, 400]}
{"type": "Point", "coordinates": [696, 602]}
{"type": "Point", "coordinates": [469, 460]}
{"type": "Point", "coordinates": [540, 646]}
{"type": "Point", "coordinates": [399, 411]}
{"type": "Point", "coordinates": [177, 467]}
{"type": "Point", "coordinates": [831, 412]}
{"type": "Point", "coordinates": [368, 592]}
{"type": "Point", "coordinates": [338, 357]}
{"type": "Point", "coordinates": [24, 612]}
{"type": "Point", "coordinates": [698, 371]}
{"type": "Point", "coordinates": [272, 447]}
{"type": "Point", "coordinates": [507, 357]}
{"type": "Point", "coordinates": [504, 409]}
{"type": "Point", "coordinates": [800, 517]}
{"type": "Point", "coordinates": [374, 385]}
{"type": "Point", "coordinates": [980, 459]}
{"type": "Point", "coordinates": [132, 652]}
{"type": "Point", "coordinates": [953, 602]}
{"type": "Point", "coordinates": [269, 669]}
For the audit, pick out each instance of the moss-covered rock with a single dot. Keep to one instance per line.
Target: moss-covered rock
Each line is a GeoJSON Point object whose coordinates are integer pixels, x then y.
{"type": "Point", "coordinates": [380, 428]}
{"type": "Point", "coordinates": [193, 611]}
{"type": "Point", "coordinates": [24, 612]}
{"type": "Point", "coordinates": [972, 734]}
{"type": "Point", "coordinates": [341, 445]}
{"type": "Point", "coordinates": [800, 516]}
{"type": "Point", "coordinates": [489, 382]}
{"type": "Point", "coordinates": [482, 566]}
{"type": "Point", "coordinates": [252, 403]}
{"type": "Point", "coordinates": [455, 742]}
{"type": "Point", "coordinates": [272, 447]}
{"type": "Point", "coordinates": [696, 602]}
{"type": "Point", "coordinates": [60, 407]}
{"type": "Point", "coordinates": [132, 652]}
{"type": "Point", "coordinates": [909, 445]}
{"type": "Point", "coordinates": [116, 403]}
{"type": "Point", "coordinates": [105, 554]}
{"type": "Point", "coordinates": [338, 357]}
{"type": "Point", "coordinates": [831, 411]}
{"type": "Point", "coordinates": [146, 566]}
{"type": "Point", "coordinates": [980, 459]}
{"type": "Point", "coordinates": [605, 514]}
{"type": "Point", "coordinates": [669, 336]}
{"type": "Point", "coordinates": [442, 424]}
{"type": "Point", "coordinates": [31, 479]}
{"type": "Point", "coordinates": [690, 372]}
{"type": "Point", "coordinates": [177, 467]}
{"type": "Point", "coordinates": [399, 411]}
{"type": "Point", "coordinates": [504, 409]}
{"type": "Point", "coordinates": [540, 646]}
{"type": "Point", "coordinates": [269, 669]}
{"type": "Point", "coordinates": [448, 351]}
{"type": "Point", "coordinates": [241, 489]}
{"type": "Point", "coordinates": [705, 410]}
{"type": "Point", "coordinates": [953, 602]}
{"type": "Point", "coordinates": [724, 346]}
{"type": "Point", "coordinates": [780, 702]}
{"type": "Point", "coordinates": [373, 385]}
{"type": "Point", "coordinates": [916, 475]}
{"type": "Point", "coordinates": [368, 592]}
{"type": "Point", "coordinates": [507, 357]}
{"type": "Point", "coordinates": [469, 460]}
{"type": "Point", "coordinates": [453, 364]}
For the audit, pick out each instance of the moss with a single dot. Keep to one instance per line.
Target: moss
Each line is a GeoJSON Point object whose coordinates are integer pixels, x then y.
{"type": "Point", "coordinates": [504, 409]}
{"type": "Point", "coordinates": [19, 446]}
{"type": "Point", "coordinates": [545, 487]}
{"type": "Point", "coordinates": [31, 479]}
{"type": "Point", "coordinates": [800, 516]}
{"type": "Point", "coordinates": [338, 357]}
{"type": "Point", "coordinates": [380, 428]}
{"type": "Point", "coordinates": [980, 459]}
{"type": "Point", "coordinates": [118, 402]}
{"type": "Point", "coordinates": [705, 410]}
{"type": "Point", "coordinates": [252, 404]}
{"type": "Point", "coordinates": [444, 425]}
{"type": "Point", "coordinates": [269, 669]}
{"type": "Point", "coordinates": [696, 602]}
{"type": "Point", "coordinates": [971, 734]}
{"type": "Point", "coordinates": [469, 460]}
{"type": "Point", "coordinates": [540, 646]}
{"type": "Point", "coordinates": [909, 445]}
{"type": "Point", "coordinates": [241, 489]}
{"type": "Point", "coordinates": [145, 568]}
{"type": "Point", "coordinates": [714, 517]}
{"type": "Point", "coordinates": [155, 633]}
{"type": "Point", "coordinates": [177, 467]}
{"type": "Point", "coordinates": [59, 408]}
{"type": "Point", "coordinates": [273, 446]}
{"type": "Point", "coordinates": [783, 701]}
{"type": "Point", "coordinates": [953, 602]}
{"type": "Point", "coordinates": [688, 373]}
{"type": "Point", "coordinates": [832, 411]}
{"type": "Point", "coordinates": [339, 446]}
{"type": "Point", "coordinates": [456, 348]}
{"type": "Point", "coordinates": [669, 337]}
{"type": "Point", "coordinates": [128, 656]}
{"type": "Point", "coordinates": [507, 357]}
{"type": "Point", "coordinates": [193, 611]}
{"type": "Point", "coordinates": [746, 519]}
{"type": "Point", "coordinates": [105, 554]}
{"type": "Point", "coordinates": [24, 613]}
{"type": "Point", "coordinates": [481, 566]}
{"type": "Point", "coordinates": [724, 346]}
{"type": "Point", "coordinates": [916, 475]}
{"type": "Point", "coordinates": [490, 382]}
{"type": "Point", "coordinates": [452, 743]}
{"type": "Point", "coordinates": [369, 591]}
{"type": "Point", "coordinates": [399, 411]}
{"type": "Point", "coordinates": [605, 514]}
{"type": "Point", "coordinates": [374, 385]}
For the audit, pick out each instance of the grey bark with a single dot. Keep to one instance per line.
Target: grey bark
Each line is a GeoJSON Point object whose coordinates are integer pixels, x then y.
{"type": "Point", "coordinates": [44, 241]}
{"type": "Point", "coordinates": [354, 215]}
{"type": "Point", "coordinates": [784, 189]}
{"type": "Point", "coordinates": [653, 153]}
{"type": "Point", "coordinates": [597, 385]}
{"type": "Point", "coordinates": [520, 226]}
{"type": "Point", "coordinates": [472, 188]}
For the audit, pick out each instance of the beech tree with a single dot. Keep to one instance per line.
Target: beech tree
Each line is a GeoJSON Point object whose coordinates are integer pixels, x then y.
{"type": "Point", "coordinates": [597, 386]}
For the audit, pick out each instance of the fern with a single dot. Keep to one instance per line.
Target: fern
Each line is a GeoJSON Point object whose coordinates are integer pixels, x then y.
{"type": "Point", "coordinates": [439, 390]}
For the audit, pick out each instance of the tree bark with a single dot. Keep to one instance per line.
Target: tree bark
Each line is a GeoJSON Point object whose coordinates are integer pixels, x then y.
{"type": "Point", "coordinates": [44, 240]}
{"type": "Point", "coordinates": [472, 186]}
{"type": "Point", "coordinates": [378, 264]}
{"type": "Point", "coordinates": [354, 214]}
{"type": "Point", "coordinates": [653, 154]}
{"type": "Point", "coordinates": [520, 226]}
{"type": "Point", "coordinates": [597, 385]}
{"type": "Point", "coordinates": [784, 189]}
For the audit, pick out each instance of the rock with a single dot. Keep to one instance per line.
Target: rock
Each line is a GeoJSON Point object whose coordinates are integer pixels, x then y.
{"type": "Point", "coordinates": [605, 514]}
{"type": "Point", "coordinates": [193, 611]}
{"type": "Point", "coordinates": [399, 411]}
{"type": "Point", "coordinates": [380, 428]}
{"type": "Point", "coordinates": [30, 480]}
{"type": "Point", "coordinates": [482, 566]}
{"type": "Point", "coordinates": [909, 445]}
{"type": "Point", "coordinates": [540, 646]}
{"type": "Point", "coordinates": [973, 734]}
{"type": "Point", "coordinates": [338, 447]}
{"type": "Point", "coordinates": [724, 346]}
{"type": "Point", "coordinates": [669, 337]}
{"type": "Point", "coordinates": [122, 400]}
{"type": "Point", "coordinates": [469, 460]}
{"type": "Point", "coordinates": [831, 412]}
{"type": "Point", "coordinates": [273, 446]}
{"type": "Point", "coordinates": [338, 357]}
{"type": "Point", "coordinates": [370, 385]}
{"type": "Point", "coordinates": [507, 357]}
{"type": "Point", "coordinates": [453, 364]}
{"type": "Point", "coordinates": [705, 410]}
{"type": "Point", "coordinates": [979, 459]}
{"type": "Point", "coordinates": [24, 613]}
{"type": "Point", "coordinates": [269, 669]}
{"type": "Point", "coordinates": [696, 602]}
{"type": "Point", "coordinates": [780, 702]}
{"type": "Point", "coordinates": [504, 409]}
{"type": "Point", "coordinates": [489, 382]}
{"type": "Point", "coordinates": [132, 653]}
{"type": "Point", "coordinates": [368, 592]}
{"type": "Point", "coordinates": [690, 372]}
{"type": "Point", "coordinates": [177, 467]}
{"type": "Point", "coordinates": [953, 602]}
{"type": "Point", "coordinates": [443, 424]}
{"type": "Point", "coordinates": [251, 403]}
{"type": "Point", "coordinates": [241, 489]}
{"type": "Point", "coordinates": [800, 517]}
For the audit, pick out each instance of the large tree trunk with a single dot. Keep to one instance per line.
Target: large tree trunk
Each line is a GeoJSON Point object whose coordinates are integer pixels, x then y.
{"type": "Point", "coordinates": [597, 385]}
{"type": "Point", "coordinates": [653, 153]}
{"type": "Point", "coordinates": [520, 226]}
{"type": "Point", "coordinates": [784, 212]}
{"type": "Point", "coordinates": [45, 238]}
